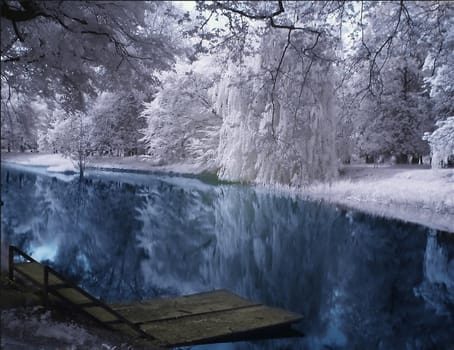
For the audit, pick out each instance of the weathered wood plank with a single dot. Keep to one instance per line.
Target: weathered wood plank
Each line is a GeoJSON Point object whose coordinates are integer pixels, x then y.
{"type": "Point", "coordinates": [35, 272]}
{"type": "Point", "coordinates": [124, 328]}
{"type": "Point", "coordinates": [101, 313]}
{"type": "Point", "coordinates": [159, 309]}
{"type": "Point", "coordinates": [218, 325]}
{"type": "Point", "coordinates": [73, 296]}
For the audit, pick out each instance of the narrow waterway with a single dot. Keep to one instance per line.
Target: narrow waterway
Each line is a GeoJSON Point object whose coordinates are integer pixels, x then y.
{"type": "Point", "coordinates": [361, 282]}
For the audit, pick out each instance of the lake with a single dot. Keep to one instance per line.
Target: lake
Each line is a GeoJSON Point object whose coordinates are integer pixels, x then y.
{"type": "Point", "coordinates": [361, 282]}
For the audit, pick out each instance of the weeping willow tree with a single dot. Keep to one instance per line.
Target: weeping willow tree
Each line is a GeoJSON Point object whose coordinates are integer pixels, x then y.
{"type": "Point", "coordinates": [279, 114]}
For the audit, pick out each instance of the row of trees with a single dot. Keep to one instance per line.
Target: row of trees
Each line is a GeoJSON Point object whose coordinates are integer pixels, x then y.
{"type": "Point", "coordinates": [74, 74]}
{"type": "Point", "coordinates": [300, 96]}
{"type": "Point", "coordinates": [262, 91]}
{"type": "Point", "coordinates": [407, 86]}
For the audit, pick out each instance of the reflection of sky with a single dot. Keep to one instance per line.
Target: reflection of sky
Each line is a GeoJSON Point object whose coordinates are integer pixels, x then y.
{"type": "Point", "coordinates": [44, 252]}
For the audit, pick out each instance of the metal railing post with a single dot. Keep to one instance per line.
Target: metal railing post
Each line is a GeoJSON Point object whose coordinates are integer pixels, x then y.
{"type": "Point", "coordinates": [11, 262]}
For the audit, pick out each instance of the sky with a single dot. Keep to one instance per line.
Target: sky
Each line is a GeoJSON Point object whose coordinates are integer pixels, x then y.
{"type": "Point", "coordinates": [185, 5]}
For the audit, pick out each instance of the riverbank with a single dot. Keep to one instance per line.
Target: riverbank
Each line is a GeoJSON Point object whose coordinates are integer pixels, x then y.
{"type": "Point", "coordinates": [411, 193]}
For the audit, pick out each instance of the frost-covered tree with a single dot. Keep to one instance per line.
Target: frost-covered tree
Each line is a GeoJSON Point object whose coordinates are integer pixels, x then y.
{"type": "Point", "coordinates": [71, 47]}
{"type": "Point", "coordinates": [19, 123]}
{"type": "Point", "coordinates": [182, 125]}
{"type": "Point", "coordinates": [439, 68]}
{"type": "Point", "coordinates": [393, 122]}
{"type": "Point", "coordinates": [388, 55]}
{"type": "Point", "coordinates": [279, 125]}
{"type": "Point", "coordinates": [441, 143]}
{"type": "Point", "coordinates": [116, 124]}
{"type": "Point", "coordinates": [256, 124]}
{"type": "Point", "coordinates": [441, 88]}
{"type": "Point", "coordinates": [69, 52]}
{"type": "Point", "coordinates": [271, 114]}
{"type": "Point", "coordinates": [110, 126]}
{"type": "Point", "coordinates": [48, 117]}
{"type": "Point", "coordinates": [69, 136]}
{"type": "Point", "coordinates": [390, 107]}
{"type": "Point", "coordinates": [245, 22]}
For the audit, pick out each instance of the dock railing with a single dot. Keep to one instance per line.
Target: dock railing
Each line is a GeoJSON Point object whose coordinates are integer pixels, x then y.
{"type": "Point", "coordinates": [53, 289]}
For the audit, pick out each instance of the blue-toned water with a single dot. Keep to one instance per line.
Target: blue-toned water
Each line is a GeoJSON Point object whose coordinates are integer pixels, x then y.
{"type": "Point", "coordinates": [361, 282]}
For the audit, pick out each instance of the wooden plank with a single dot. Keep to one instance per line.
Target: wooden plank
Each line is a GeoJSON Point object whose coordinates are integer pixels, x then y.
{"type": "Point", "coordinates": [218, 325]}
{"type": "Point", "coordinates": [73, 296]}
{"type": "Point", "coordinates": [35, 272]}
{"type": "Point", "coordinates": [126, 329]}
{"type": "Point", "coordinates": [205, 297]}
{"type": "Point", "coordinates": [165, 308]}
{"type": "Point", "coordinates": [101, 313]}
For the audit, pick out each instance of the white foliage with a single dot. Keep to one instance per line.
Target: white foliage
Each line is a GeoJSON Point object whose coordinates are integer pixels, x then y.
{"type": "Point", "coordinates": [279, 132]}
{"type": "Point", "coordinates": [441, 142]}
{"type": "Point", "coordinates": [97, 45]}
{"type": "Point", "coordinates": [49, 135]}
{"type": "Point", "coordinates": [116, 123]}
{"type": "Point", "coordinates": [181, 123]}
{"type": "Point", "coordinates": [251, 127]}
{"type": "Point", "coordinates": [440, 71]}
{"type": "Point", "coordinates": [69, 135]}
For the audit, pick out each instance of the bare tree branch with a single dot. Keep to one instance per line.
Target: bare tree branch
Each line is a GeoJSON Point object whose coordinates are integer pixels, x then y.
{"type": "Point", "coordinates": [29, 11]}
{"type": "Point", "coordinates": [274, 78]}
{"type": "Point", "coordinates": [270, 17]}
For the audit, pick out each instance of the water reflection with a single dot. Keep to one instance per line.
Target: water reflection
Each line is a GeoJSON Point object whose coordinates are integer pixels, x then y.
{"type": "Point", "coordinates": [360, 281]}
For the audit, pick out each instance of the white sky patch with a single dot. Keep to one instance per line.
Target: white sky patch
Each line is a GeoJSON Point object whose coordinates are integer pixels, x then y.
{"type": "Point", "coordinates": [185, 5]}
{"type": "Point", "coordinates": [190, 6]}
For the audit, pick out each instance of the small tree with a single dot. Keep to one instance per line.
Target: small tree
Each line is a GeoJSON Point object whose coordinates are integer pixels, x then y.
{"type": "Point", "coordinates": [80, 144]}
{"type": "Point", "coordinates": [70, 136]}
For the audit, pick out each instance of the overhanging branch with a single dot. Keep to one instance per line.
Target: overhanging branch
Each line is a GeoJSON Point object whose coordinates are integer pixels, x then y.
{"type": "Point", "coordinates": [28, 12]}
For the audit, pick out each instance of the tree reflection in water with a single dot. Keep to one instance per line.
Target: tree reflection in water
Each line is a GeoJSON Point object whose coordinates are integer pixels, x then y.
{"type": "Point", "coordinates": [360, 281]}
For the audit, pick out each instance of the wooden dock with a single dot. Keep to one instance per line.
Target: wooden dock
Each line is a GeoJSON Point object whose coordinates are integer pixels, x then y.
{"type": "Point", "coordinates": [210, 317]}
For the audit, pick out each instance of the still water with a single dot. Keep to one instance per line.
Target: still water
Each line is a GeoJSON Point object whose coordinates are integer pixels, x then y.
{"type": "Point", "coordinates": [361, 282]}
